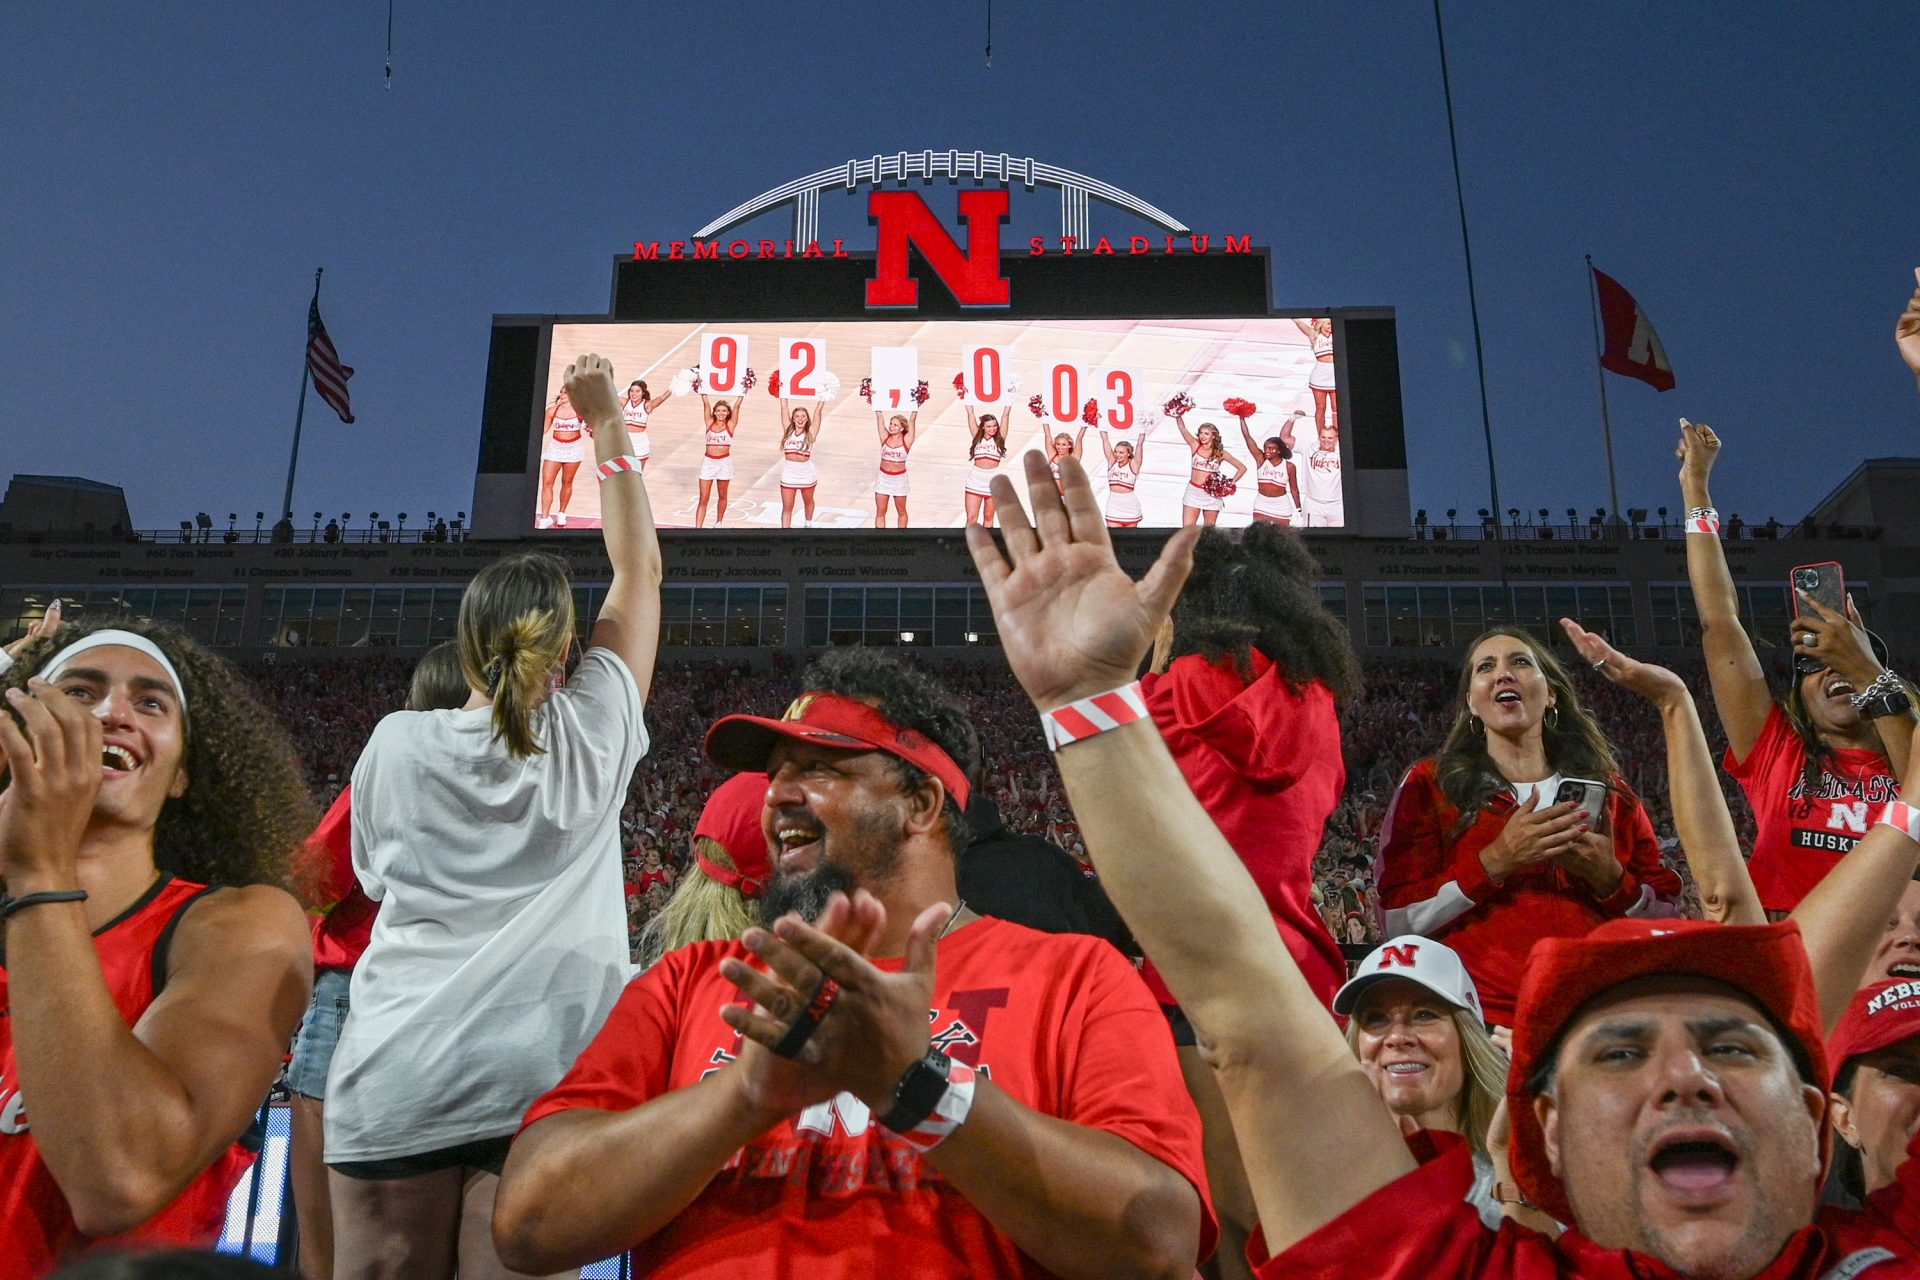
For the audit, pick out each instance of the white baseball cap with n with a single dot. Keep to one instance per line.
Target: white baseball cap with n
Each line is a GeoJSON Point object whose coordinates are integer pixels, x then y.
{"type": "Point", "coordinates": [1433, 965]}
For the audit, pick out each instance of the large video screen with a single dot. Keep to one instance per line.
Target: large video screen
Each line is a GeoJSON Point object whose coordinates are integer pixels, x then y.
{"type": "Point", "coordinates": [864, 424]}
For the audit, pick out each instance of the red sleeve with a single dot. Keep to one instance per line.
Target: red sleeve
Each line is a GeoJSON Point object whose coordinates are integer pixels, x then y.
{"type": "Point", "coordinates": [1639, 853]}
{"type": "Point", "coordinates": [630, 1059]}
{"type": "Point", "coordinates": [1123, 1077]}
{"type": "Point", "coordinates": [1415, 862]}
{"type": "Point", "coordinates": [1777, 740]}
{"type": "Point", "coordinates": [1420, 1226]}
{"type": "Point", "coordinates": [334, 837]}
{"type": "Point", "coordinates": [1898, 1205]}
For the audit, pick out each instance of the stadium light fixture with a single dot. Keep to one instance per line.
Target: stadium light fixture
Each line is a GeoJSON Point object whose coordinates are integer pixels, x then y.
{"type": "Point", "coordinates": [906, 637]}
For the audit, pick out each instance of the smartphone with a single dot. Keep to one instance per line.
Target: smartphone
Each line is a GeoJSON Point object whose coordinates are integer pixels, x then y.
{"type": "Point", "coordinates": [1590, 796]}
{"type": "Point", "coordinates": [1824, 582]}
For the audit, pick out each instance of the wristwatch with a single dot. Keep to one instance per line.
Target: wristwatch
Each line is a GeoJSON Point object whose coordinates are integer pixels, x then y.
{"type": "Point", "coordinates": [919, 1092]}
{"type": "Point", "coordinates": [1886, 696]}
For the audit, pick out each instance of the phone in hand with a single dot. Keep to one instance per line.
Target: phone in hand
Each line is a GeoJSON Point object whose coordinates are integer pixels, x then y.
{"type": "Point", "coordinates": [1588, 795]}
{"type": "Point", "coordinates": [1824, 582]}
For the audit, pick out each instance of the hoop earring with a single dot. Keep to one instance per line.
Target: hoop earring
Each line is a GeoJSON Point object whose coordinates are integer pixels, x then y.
{"type": "Point", "coordinates": [1553, 717]}
{"type": "Point", "coordinates": [1473, 723]}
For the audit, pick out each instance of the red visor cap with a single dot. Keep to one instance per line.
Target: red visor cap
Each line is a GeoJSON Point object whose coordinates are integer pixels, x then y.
{"type": "Point", "coordinates": [1765, 962]}
{"type": "Point", "coordinates": [832, 720]}
{"type": "Point", "coordinates": [1879, 1017]}
{"type": "Point", "coordinates": [731, 819]}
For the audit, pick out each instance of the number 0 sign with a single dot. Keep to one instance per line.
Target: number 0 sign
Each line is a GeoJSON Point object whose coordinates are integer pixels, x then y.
{"type": "Point", "coordinates": [983, 376]}
{"type": "Point", "coordinates": [803, 362]}
{"type": "Point", "coordinates": [723, 360]}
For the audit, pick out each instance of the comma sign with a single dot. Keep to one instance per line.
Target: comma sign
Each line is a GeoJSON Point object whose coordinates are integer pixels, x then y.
{"type": "Point", "coordinates": [902, 218]}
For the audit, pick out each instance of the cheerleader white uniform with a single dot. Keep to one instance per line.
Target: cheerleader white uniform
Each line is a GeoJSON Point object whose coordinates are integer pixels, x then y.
{"type": "Point", "coordinates": [1321, 501]}
{"type": "Point", "coordinates": [1321, 378]}
{"type": "Point", "coordinates": [1282, 507]}
{"type": "Point", "coordinates": [797, 475]}
{"type": "Point", "coordinates": [717, 468]}
{"type": "Point", "coordinates": [1199, 498]}
{"type": "Point", "coordinates": [980, 479]}
{"type": "Point", "coordinates": [637, 417]}
{"type": "Point", "coordinates": [1123, 504]}
{"type": "Point", "coordinates": [574, 450]}
{"type": "Point", "coordinates": [891, 484]}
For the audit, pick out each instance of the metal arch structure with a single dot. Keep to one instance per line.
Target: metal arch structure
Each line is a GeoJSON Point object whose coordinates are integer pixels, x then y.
{"type": "Point", "coordinates": [1077, 190]}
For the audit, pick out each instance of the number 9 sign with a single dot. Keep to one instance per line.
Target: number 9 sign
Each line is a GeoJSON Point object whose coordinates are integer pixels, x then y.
{"type": "Point", "coordinates": [723, 360]}
{"type": "Point", "coordinates": [803, 362]}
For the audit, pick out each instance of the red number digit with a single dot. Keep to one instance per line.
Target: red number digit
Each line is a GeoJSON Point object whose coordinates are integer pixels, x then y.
{"type": "Point", "coordinates": [1066, 393]}
{"type": "Point", "coordinates": [803, 354]}
{"type": "Point", "coordinates": [986, 376]}
{"type": "Point", "coordinates": [726, 355]}
{"type": "Point", "coordinates": [1120, 383]}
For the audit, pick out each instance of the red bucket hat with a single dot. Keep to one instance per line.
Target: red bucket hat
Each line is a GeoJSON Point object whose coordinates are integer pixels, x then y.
{"type": "Point", "coordinates": [1765, 962]}
{"type": "Point", "coordinates": [832, 720]}
{"type": "Point", "coordinates": [1878, 1017]}
{"type": "Point", "coordinates": [731, 819]}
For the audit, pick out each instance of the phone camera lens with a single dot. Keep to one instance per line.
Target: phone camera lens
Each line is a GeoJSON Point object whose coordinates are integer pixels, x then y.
{"type": "Point", "coordinates": [1806, 579]}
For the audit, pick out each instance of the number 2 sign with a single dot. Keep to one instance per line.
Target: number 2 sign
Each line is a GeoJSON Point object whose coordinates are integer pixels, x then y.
{"type": "Point", "coordinates": [803, 362]}
{"type": "Point", "coordinates": [723, 361]}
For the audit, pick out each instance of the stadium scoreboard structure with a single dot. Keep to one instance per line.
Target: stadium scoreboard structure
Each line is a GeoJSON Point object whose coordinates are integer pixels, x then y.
{"type": "Point", "coordinates": [1082, 336]}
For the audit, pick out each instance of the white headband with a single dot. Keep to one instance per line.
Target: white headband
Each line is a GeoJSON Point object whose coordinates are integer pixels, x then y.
{"type": "Point", "coordinates": [126, 640]}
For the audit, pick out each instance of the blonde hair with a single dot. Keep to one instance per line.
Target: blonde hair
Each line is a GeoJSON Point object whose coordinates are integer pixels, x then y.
{"type": "Point", "coordinates": [516, 622]}
{"type": "Point", "coordinates": [1483, 1076]}
{"type": "Point", "coordinates": [701, 909]}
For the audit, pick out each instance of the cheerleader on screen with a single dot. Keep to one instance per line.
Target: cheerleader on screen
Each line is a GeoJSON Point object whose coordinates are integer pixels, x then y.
{"type": "Point", "coordinates": [897, 434]}
{"type": "Point", "coordinates": [637, 409]}
{"type": "Point", "coordinates": [1201, 503]}
{"type": "Point", "coordinates": [716, 468]}
{"type": "Point", "coordinates": [1321, 381]}
{"type": "Point", "coordinates": [562, 450]}
{"type": "Point", "coordinates": [798, 473]}
{"type": "Point", "coordinates": [1124, 461]}
{"type": "Point", "coordinates": [1279, 483]}
{"type": "Point", "coordinates": [988, 447]}
{"type": "Point", "coordinates": [1064, 446]}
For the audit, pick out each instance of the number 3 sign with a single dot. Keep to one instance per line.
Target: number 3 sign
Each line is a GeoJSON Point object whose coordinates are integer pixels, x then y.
{"type": "Point", "coordinates": [723, 360]}
{"type": "Point", "coordinates": [803, 362]}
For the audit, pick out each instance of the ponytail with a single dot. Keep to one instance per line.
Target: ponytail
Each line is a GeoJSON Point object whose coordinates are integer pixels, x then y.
{"type": "Point", "coordinates": [516, 621]}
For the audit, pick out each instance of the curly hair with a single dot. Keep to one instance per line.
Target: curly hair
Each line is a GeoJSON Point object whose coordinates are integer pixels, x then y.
{"type": "Point", "coordinates": [246, 809]}
{"type": "Point", "coordinates": [1255, 591]}
{"type": "Point", "coordinates": [913, 699]}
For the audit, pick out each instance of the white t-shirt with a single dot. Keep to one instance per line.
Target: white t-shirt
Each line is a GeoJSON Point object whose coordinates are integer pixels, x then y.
{"type": "Point", "coordinates": [1320, 479]}
{"type": "Point", "coordinates": [1548, 787]}
{"type": "Point", "coordinates": [501, 942]}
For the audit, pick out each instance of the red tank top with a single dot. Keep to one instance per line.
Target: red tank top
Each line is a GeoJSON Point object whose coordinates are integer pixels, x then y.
{"type": "Point", "coordinates": [36, 1225]}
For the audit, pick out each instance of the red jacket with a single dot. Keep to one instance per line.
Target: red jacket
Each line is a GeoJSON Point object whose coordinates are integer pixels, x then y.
{"type": "Point", "coordinates": [1432, 883]}
{"type": "Point", "coordinates": [1265, 763]}
{"type": "Point", "coordinates": [340, 936]}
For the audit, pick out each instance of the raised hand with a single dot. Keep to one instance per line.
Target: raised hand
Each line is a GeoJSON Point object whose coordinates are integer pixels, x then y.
{"type": "Point", "coordinates": [45, 625]}
{"type": "Point", "coordinates": [590, 386]}
{"type": "Point", "coordinates": [1838, 643]}
{"type": "Point", "coordinates": [1071, 622]}
{"type": "Point", "coordinates": [1654, 683]}
{"type": "Point", "coordinates": [52, 756]}
{"type": "Point", "coordinates": [1698, 449]}
{"type": "Point", "coordinates": [1906, 332]}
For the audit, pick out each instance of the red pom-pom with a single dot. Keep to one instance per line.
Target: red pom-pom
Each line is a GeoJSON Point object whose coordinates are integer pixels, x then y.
{"type": "Point", "coordinates": [1091, 414]}
{"type": "Point", "coordinates": [1180, 405]}
{"type": "Point", "coordinates": [773, 384]}
{"type": "Point", "coordinates": [1038, 406]}
{"type": "Point", "coordinates": [960, 384]}
{"type": "Point", "coordinates": [747, 380]}
{"type": "Point", "coordinates": [1240, 408]}
{"type": "Point", "coordinates": [866, 390]}
{"type": "Point", "coordinates": [1219, 486]}
{"type": "Point", "coordinates": [697, 380]}
{"type": "Point", "coordinates": [919, 392]}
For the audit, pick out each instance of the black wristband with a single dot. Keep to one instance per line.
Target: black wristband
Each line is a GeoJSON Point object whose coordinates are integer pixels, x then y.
{"type": "Point", "coordinates": [10, 905]}
{"type": "Point", "coordinates": [919, 1092]}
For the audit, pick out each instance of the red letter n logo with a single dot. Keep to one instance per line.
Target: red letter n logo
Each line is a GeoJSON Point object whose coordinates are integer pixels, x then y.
{"type": "Point", "coordinates": [1401, 956]}
{"type": "Point", "coordinates": [902, 218]}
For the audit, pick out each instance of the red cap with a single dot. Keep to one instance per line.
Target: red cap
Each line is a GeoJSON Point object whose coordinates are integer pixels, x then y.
{"type": "Point", "coordinates": [731, 819]}
{"type": "Point", "coordinates": [1879, 1016]}
{"type": "Point", "coordinates": [832, 720]}
{"type": "Point", "coordinates": [1767, 963]}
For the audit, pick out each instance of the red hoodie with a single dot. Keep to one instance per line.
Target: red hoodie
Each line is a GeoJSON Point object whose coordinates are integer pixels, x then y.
{"type": "Point", "coordinates": [341, 935]}
{"type": "Point", "coordinates": [1265, 763]}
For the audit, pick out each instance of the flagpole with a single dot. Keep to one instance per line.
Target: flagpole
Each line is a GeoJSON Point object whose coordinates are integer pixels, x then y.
{"type": "Point", "coordinates": [1473, 309]}
{"type": "Point", "coordinates": [300, 414]}
{"type": "Point", "coordinates": [1606, 425]}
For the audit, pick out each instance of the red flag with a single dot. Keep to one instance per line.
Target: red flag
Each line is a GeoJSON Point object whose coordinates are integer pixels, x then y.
{"type": "Point", "coordinates": [323, 362]}
{"type": "Point", "coordinates": [1631, 348]}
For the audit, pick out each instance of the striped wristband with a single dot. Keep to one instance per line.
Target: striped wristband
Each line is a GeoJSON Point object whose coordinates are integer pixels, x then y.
{"type": "Point", "coordinates": [1703, 520]}
{"type": "Point", "coordinates": [1089, 716]}
{"type": "Point", "coordinates": [1902, 817]}
{"type": "Point", "coordinates": [948, 1114]}
{"type": "Point", "coordinates": [614, 466]}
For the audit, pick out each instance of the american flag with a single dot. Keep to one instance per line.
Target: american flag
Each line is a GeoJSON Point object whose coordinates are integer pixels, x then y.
{"type": "Point", "coordinates": [323, 362]}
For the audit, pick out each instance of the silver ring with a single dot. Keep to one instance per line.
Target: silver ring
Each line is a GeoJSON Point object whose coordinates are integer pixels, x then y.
{"type": "Point", "coordinates": [1601, 663]}
{"type": "Point", "coordinates": [1809, 640]}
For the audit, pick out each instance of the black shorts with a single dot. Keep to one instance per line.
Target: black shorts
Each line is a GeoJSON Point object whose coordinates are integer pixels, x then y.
{"type": "Point", "coordinates": [488, 1153]}
{"type": "Point", "coordinates": [1183, 1036]}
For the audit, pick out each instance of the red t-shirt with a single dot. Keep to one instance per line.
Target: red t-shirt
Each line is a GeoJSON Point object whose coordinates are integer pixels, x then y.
{"type": "Point", "coordinates": [37, 1230]}
{"type": "Point", "coordinates": [1060, 1022]}
{"type": "Point", "coordinates": [1265, 763]}
{"type": "Point", "coordinates": [1422, 1227]}
{"type": "Point", "coordinates": [1432, 882]}
{"type": "Point", "coordinates": [1800, 837]}
{"type": "Point", "coordinates": [340, 935]}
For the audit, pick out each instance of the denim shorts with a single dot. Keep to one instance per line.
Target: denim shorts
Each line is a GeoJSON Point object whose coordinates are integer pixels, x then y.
{"type": "Point", "coordinates": [319, 1033]}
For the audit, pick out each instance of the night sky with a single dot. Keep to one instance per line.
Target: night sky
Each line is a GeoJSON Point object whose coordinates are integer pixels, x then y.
{"type": "Point", "coordinates": [173, 175]}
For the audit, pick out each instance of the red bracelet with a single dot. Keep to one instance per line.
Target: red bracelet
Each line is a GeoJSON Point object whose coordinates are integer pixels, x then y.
{"type": "Point", "coordinates": [1089, 716]}
{"type": "Point", "coordinates": [1703, 525]}
{"type": "Point", "coordinates": [1902, 817]}
{"type": "Point", "coordinates": [614, 466]}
